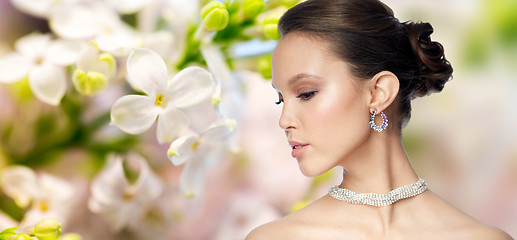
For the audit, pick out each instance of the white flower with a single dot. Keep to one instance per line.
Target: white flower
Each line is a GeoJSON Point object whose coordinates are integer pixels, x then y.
{"type": "Point", "coordinates": [6, 221]}
{"type": "Point", "coordinates": [164, 98]}
{"type": "Point", "coordinates": [46, 195]}
{"type": "Point", "coordinates": [179, 15]}
{"type": "Point", "coordinates": [20, 183]}
{"type": "Point", "coordinates": [227, 82]}
{"type": "Point", "coordinates": [121, 41]}
{"type": "Point", "coordinates": [128, 7]}
{"type": "Point", "coordinates": [160, 42]}
{"type": "Point", "coordinates": [93, 71]}
{"type": "Point", "coordinates": [39, 8]}
{"type": "Point", "coordinates": [198, 152]}
{"type": "Point", "coordinates": [228, 97]}
{"type": "Point", "coordinates": [42, 60]}
{"type": "Point", "coordinates": [84, 21]}
{"type": "Point", "coordinates": [119, 201]}
{"type": "Point", "coordinates": [99, 21]}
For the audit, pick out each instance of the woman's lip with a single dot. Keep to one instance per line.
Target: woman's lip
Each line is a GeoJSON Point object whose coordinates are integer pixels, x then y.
{"type": "Point", "coordinates": [298, 152]}
{"type": "Point", "coordinates": [292, 144]}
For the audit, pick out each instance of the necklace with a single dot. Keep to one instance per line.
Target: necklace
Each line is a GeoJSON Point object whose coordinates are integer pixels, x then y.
{"type": "Point", "coordinates": [379, 200]}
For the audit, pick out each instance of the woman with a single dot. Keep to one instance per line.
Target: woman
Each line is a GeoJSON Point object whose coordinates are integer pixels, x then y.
{"type": "Point", "coordinates": [343, 69]}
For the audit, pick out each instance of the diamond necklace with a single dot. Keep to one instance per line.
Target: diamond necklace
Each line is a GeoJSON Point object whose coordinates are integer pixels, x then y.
{"type": "Point", "coordinates": [379, 200]}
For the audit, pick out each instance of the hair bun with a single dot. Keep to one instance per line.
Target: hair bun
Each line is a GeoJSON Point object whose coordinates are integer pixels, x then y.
{"type": "Point", "coordinates": [434, 69]}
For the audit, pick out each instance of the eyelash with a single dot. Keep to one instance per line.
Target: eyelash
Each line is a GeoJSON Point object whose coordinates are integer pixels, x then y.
{"type": "Point", "coordinates": [306, 95]}
{"type": "Point", "coordinates": [303, 96]}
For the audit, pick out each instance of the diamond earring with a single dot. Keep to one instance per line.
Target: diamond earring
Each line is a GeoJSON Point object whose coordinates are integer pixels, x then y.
{"type": "Point", "coordinates": [384, 121]}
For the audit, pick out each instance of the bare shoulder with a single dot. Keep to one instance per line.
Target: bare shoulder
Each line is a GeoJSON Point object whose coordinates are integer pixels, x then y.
{"type": "Point", "coordinates": [456, 223]}
{"type": "Point", "coordinates": [265, 231]}
{"type": "Point", "coordinates": [291, 226]}
{"type": "Point", "coordinates": [483, 231]}
{"type": "Point", "coordinates": [279, 229]}
{"type": "Point", "coordinates": [322, 220]}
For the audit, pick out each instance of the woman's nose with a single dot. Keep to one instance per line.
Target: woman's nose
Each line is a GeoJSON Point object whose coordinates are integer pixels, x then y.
{"type": "Point", "coordinates": [287, 120]}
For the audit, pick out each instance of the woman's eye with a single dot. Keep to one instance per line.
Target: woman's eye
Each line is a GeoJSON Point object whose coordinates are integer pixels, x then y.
{"type": "Point", "coordinates": [306, 95]}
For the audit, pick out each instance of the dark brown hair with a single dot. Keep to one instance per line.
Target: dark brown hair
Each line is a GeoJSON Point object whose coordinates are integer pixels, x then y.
{"type": "Point", "coordinates": [365, 34]}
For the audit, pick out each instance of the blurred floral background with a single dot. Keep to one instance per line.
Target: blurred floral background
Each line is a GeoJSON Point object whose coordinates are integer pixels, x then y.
{"type": "Point", "coordinates": [82, 83]}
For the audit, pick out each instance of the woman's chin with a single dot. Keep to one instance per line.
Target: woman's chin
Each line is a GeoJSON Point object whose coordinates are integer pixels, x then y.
{"type": "Point", "coordinates": [310, 170]}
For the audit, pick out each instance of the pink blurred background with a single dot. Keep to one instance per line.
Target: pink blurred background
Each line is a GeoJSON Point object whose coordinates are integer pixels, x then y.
{"type": "Point", "coordinates": [462, 140]}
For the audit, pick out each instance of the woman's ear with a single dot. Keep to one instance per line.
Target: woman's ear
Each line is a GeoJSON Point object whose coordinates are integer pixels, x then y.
{"type": "Point", "coordinates": [384, 87]}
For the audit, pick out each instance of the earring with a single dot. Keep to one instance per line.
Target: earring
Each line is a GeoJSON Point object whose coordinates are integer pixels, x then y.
{"type": "Point", "coordinates": [384, 121]}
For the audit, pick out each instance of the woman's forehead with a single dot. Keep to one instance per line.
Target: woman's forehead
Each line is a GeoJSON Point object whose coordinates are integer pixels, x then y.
{"type": "Point", "coordinates": [299, 57]}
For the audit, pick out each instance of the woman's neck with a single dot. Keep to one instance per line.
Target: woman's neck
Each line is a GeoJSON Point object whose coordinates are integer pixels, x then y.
{"type": "Point", "coordinates": [379, 165]}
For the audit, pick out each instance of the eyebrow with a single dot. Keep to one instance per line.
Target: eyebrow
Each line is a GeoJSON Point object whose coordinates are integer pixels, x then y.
{"type": "Point", "coordinates": [297, 78]}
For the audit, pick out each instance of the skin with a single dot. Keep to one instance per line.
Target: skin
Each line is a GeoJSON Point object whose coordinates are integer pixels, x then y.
{"type": "Point", "coordinates": [326, 108]}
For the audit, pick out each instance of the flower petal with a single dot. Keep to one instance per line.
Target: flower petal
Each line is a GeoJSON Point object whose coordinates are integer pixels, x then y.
{"type": "Point", "coordinates": [191, 86]}
{"type": "Point", "coordinates": [57, 190]}
{"type": "Point", "coordinates": [117, 216]}
{"type": "Point", "coordinates": [33, 45]}
{"type": "Point", "coordinates": [13, 67]}
{"type": "Point", "coordinates": [181, 149]}
{"type": "Point", "coordinates": [75, 21]}
{"type": "Point", "coordinates": [19, 183]}
{"type": "Point", "coordinates": [186, 11]}
{"type": "Point", "coordinates": [89, 58]}
{"type": "Point", "coordinates": [64, 52]}
{"type": "Point", "coordinates": [170, 123]}
{"type": "Point", "coordinates": [6, 221]}
{"type": "Point", "coordinates": [48, 83]}
{"type": "Point", "coordinates": [215, 61]}
{"type": "Point", "coordinates": [34, 8]}
{"type": "Point", "coordinates": [219, 131]}
{"type": "Point", "coordinates": [147, 71]}
{"type": "Point", "coordinates": [109, 186]}
{"type": "Point", "coordinates": [120, 43]}
{"type": "Point", "coordinates": [56, 199]}
{"type": "Point", "coordinates": [160, 42]}
{"type": "Point", "coordinates": [148, 186]}
{"type": "Point", "coordinates": [108, 190]}
{"type": "Point", "coordinates": [134, 113]}
{"type": "Point", "coordinates": [192, 178]}
{"type": "Point", "coordinates": [127, 7]}
{"type": "Point", "coordinates": [92, 61]}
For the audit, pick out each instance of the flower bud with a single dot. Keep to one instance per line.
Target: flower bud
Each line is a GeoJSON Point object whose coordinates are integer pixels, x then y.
{"type": "Point", "coordinates": [6, 233]}
{"type": "Point", "coordinates": [21, 236]}
{"type": "Point", "coordinates": [89, 83]}
{"type": "Point", "coordinates": [70, 236]}
{"type": "Point", "coordinates": [110, 60]}
{"type": "Point", "coordinates": [252, 8]}
{"type": "Point", "coordinates": [47, 229]}
{"type": "Point", "coordinates": [215, 16]}
{"type": "Point", "coordinates": [270, 25]}
{"type": "Point", "coordinates": [289, 3]}
{"type": "Point", "coordinates": [264, 66]}
{"type": "Point", "coordinates": [94, 69]}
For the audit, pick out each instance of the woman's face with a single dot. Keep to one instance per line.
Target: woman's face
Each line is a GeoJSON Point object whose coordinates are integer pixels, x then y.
{"type": "Point", "coordinates": [325, 110]}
